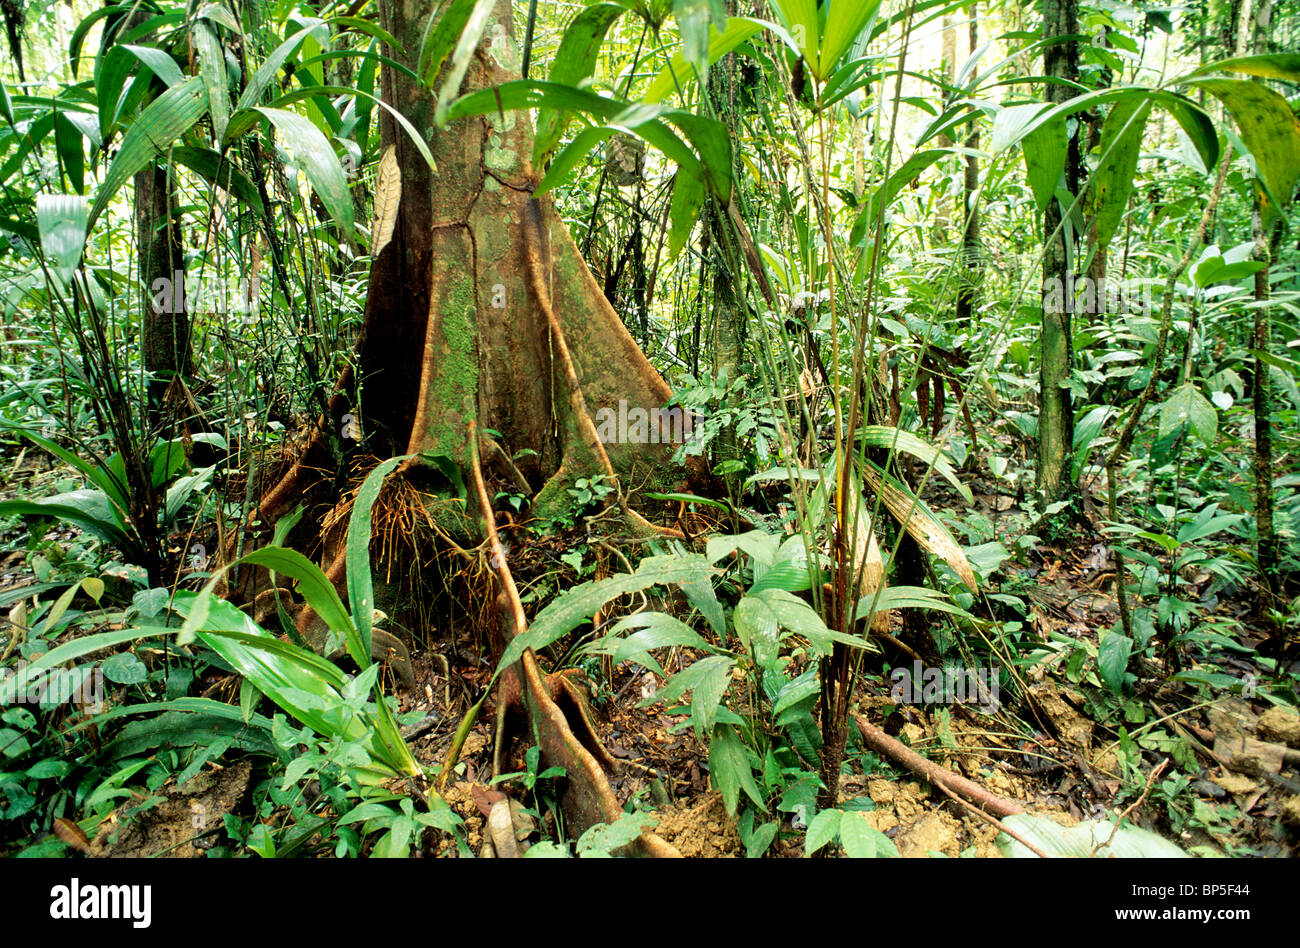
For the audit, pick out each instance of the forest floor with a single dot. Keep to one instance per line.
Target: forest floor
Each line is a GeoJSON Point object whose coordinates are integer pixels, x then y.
{"type": "Point", "coordinates": [1058, 743]}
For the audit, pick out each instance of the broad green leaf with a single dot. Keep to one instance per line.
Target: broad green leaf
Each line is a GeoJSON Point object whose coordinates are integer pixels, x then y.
{"type": "Point", "coordinates": [857, 836]}
{"type": "Point", "coordinates": [602, 839]}
{"type": "Point", "coordinates": [88, 509]}
{"type": "Point", "coordinates": [574, 62]}
{"type": "Point", "coordinates": [885, 194]}
{"type": "Point", "coordinates": [265, 75]}
{"type": "Point", "coordinates": [416, 138]}
{"type": "Point", "coordinates": [1012, 123]}
{"type": "Point", "coordinates": [1268, 128]}
{"type": "Point", "coordinates": [103, 478]}
{"type": "Point", "coordinates": [212, 69]}
{"type": "Point", "coordinates": [802, 23]}
{"type": "Point", "coordinates": [304, 684]}
{"type": "Point", "coordinates": [58, 609]}
{"type": "Point", "coordinates": [467, 43]}
{"type": "Point", "coordinates": [442, 34]}
{"type": "Point", "coordinates": [729, 769]}
{"type": "Point", "coordinates": [575, 606]}
{"type": "Point", "coordinates": [695, 19]}
{"type": "Point", "coordinates": [219, 14]}
{"type": "Point", "coordinates": [1198, 126]}
{"type": "Point", "coordinates": [825, 826]}
{"type": "Point", "coordinates": [845, 21]}
{"type": "Point", "coordinates": [712, 143]}
{"type": "Point", "coordinates": [157, 61]}
{"type": "Point", "coordinates": [182, 490]}
{"type": "Point", "coordinates": [164, 121]}
{"type": "Point", "coordinates": [67, 140]}
{"type": "Point", "coordinates": [1186, 405]}
{"type": "Point", "coordinates": [907, 597]}
{"type": "Point", "coordinates": [657, 630]}
{"type": "Point", "coordinates": [700, 594]}
{"type": "Point", "coordinates": [677, 74]}
{"type": "Point", "coordinates": [684, 210]}
{"type": "Point", "coordinates": [758, 626]}
{"type": "Point", "coordinates": [1283, 66]}
{"type": "Point", "coordinates": [796, 691]}
{"type": "Point", "coordinates": [1045, 150]}
{"type": "Point", "coordinates": [572, 155]}
{"type": "Point", "coordinates": [219, 171]}
{"type": "Point", "coordinates": [1113, 651]}
{"type": "Point", "coordinates": [87, 23]}
{"type": "Point", "coordinates": [757, 545]}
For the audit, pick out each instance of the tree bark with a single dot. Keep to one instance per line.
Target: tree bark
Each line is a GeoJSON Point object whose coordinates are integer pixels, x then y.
{"type": "Point", "coordinates": [165, 332]}
{"type": "Point", "coordinates": [453, 327]}
{"type": "Point", "coordinates": [1267, 551]}
{"type": "Point", "coordinates": [1056, 410]}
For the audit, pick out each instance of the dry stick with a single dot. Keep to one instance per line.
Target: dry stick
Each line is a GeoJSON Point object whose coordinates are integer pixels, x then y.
{"type": "Point", "coordinates": [995, 822]}
{"type": "Point", "coordinates": [1151, 779]}
{"type": "Point", "coordinates": [1130, 424]}
{"type": "Point", "coordinates": [577, 403]}
{"type": "Point", "coordinates": [933, 773]}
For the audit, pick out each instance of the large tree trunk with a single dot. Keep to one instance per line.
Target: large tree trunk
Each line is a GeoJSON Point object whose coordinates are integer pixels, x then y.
{"type": "Point", "coordinates": [482, 316]}
{"type": "Point", "coordinates": [455, 330]}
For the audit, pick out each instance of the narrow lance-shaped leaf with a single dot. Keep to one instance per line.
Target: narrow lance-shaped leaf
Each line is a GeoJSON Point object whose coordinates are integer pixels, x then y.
{"type": "Point", "coordinates": [460, 58]}
{"type": "Point", "coordinates": [266, 73]}
{"type": "Point", "coordinates": [314, 152]}
{"type": "Point", "coordinates": [573, 62]}
{"type": "Point", "coordinates": [1283, 66]}
{"type": "Point", "coordinates": [361, 593]}
{"type": "Point", "coordinates": [1112, 181]}
{"type": "Point", "coordinates": [845, 22]}
{"type": "Point", "coordinates": [61, 220]}
{"type": "Point", "coordinates": [677, 74]}
{"type": "Point", "coordinates": [219, 171]}
{"type": "Point", "coordinates": [212, 70]}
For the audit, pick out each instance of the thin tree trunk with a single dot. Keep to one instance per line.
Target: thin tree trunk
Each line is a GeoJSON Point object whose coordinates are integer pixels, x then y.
{"type": "Point", "coordinates": [165, 333]}
{"type": "Point", "coordinates": [1267, 552]}
{"type": "Point", "coordinates": [1056, 409]}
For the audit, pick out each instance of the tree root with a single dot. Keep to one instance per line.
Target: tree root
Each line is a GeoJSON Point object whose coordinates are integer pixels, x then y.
{"type": "Point", "coordinates": [588, 798]}
{"type": "Point", "coordinates": [577, 402]}
{"type": "Point", "coordinates": [288, 489]}
{"type": "Point", "coordinates": [933, 773]}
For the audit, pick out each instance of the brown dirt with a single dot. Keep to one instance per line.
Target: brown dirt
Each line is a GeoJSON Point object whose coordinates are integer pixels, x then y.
{"type": "Point", "coordinates": [172, 826]}
{"type": "Point", "coordinates": [703, 829]}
